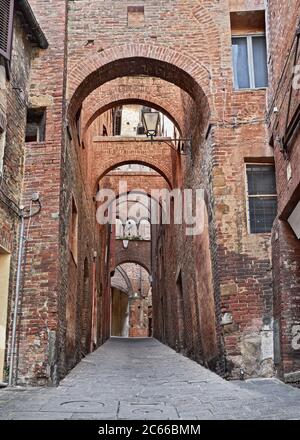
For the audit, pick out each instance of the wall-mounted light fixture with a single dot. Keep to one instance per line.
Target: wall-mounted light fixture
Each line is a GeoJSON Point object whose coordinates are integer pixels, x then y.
{"type": "Point", "coordinates": [151, 122]}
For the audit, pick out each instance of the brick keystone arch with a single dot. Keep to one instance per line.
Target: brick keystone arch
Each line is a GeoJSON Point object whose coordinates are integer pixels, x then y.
{"type": "Point", "coordinates": [109, 154]}
{"type": "Point", "coordinates": [138, 59]}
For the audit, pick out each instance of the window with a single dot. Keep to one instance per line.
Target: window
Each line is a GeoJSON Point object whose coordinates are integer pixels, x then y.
{"type": "Point", "coordinates": [117, 121]}
{"type": "Point", "coordinates": [140, 129]}
{"type": "Point", "coordinates": [262, 198]}
{"type": "Point", "coordinates": [136, 16]}
{"type": "Point", "coordinates": [74, 230]}
{"type": "Point", "coordinates": [6, 26]}
{"type": "Point", "coordinates": [249, 56]}
{"type": "Point", "coordinates": [35, 125]}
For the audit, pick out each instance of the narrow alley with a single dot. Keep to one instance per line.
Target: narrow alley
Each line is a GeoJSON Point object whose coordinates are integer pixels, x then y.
{"type": "Point", "coordinates": [143, 379]}
{"type": "Point", "coordinates": [149, 209]}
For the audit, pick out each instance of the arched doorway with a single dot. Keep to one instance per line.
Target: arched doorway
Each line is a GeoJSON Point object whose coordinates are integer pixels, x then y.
{"type": "Point", "coordinates": [131, 301]}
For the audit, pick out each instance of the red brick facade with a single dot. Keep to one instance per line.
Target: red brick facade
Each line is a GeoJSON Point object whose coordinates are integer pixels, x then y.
{"type": "Point", "coordinates": [14, 96]}
{"type": "Point", "coordinates": [283, 124]}
{"type": "Point", "coordinates": [213, 293]}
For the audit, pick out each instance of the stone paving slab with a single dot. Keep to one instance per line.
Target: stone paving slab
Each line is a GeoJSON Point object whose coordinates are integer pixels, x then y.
{"type": "Point", "coordinates": [143, 410]}
{"type": "Point", "coordinates": [26, 415]}
{"type": "Point", "coordinates": [142, 379]}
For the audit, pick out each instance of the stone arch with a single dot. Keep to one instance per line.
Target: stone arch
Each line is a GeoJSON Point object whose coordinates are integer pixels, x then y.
{"type": "Point", "coordinates": [120, 272]}
{"type": "Point", "coordinates": [138, 59]}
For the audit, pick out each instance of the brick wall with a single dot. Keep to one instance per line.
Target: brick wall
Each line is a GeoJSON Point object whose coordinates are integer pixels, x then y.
{"type": "Point", "coordinates": [109, 153]}
{"type": "Point", "coordinates": [137, 252]}
{"type": "Point", "coordinates": [42, 305]}
{"type": "Point", "coordinates": [283, 44]}
{"type": "Point", "coordinates": [13, 108]}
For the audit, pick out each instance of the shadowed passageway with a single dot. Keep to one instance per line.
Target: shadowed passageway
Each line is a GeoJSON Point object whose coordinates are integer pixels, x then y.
{"type": "Point", "coordinates": [144, 379]}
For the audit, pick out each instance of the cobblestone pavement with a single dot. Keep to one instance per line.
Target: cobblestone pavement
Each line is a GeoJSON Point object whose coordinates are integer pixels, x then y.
{"type": "Point", "coordinates": [129, 379]}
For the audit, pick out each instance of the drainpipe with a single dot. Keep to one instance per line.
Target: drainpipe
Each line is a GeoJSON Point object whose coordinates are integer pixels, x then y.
{"type": "Point", "coordinates": [35, 198]}
{"type": "Point", "coordinates": [17, 297]}
{"type": "Point", "coordinates": [94, 307]}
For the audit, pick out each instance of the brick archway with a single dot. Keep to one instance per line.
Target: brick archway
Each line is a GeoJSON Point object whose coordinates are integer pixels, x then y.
{"type": "Point", "coordinates": [136, 184]}
{"type": "Point", "coordinates": [132, 190]}
{"type": "Point", "coordinates": [138, 252]}
{"type": "Point", "coordinates": [138, 59]}
{"type": "Point", "coordinates": [103, 106]}
{"type": "Point", "coordinates": [152, 92]}
{"type": "Point", "coordinates": [109, 154]}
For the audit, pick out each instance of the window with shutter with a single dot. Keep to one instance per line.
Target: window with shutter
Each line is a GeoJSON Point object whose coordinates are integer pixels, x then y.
{"type": "Point", "coordinates": [6, 27]}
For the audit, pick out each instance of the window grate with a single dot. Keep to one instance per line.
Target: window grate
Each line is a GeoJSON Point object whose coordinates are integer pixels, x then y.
{"type": "Point", "coordinates": [262, 198]}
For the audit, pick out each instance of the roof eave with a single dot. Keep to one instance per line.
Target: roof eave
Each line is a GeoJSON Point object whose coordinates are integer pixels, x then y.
{"type": "Point", "coordinates": [39, 35]}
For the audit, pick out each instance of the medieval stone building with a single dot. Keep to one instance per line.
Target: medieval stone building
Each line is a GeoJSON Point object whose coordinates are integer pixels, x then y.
{"type": "Point", "coordinates": [76, 84]}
